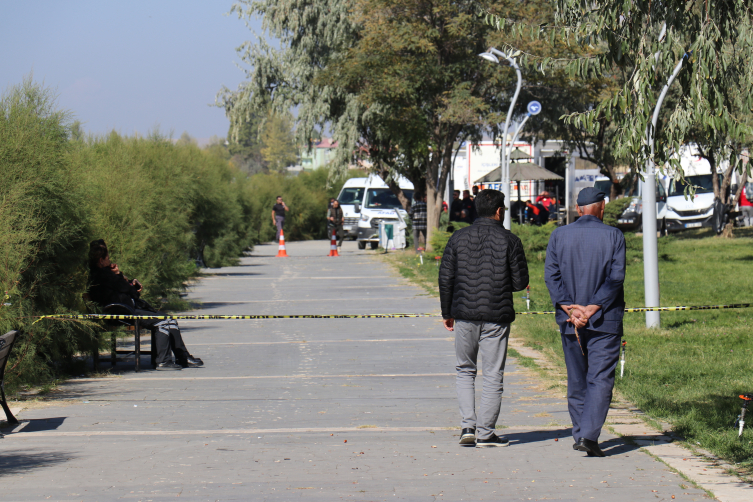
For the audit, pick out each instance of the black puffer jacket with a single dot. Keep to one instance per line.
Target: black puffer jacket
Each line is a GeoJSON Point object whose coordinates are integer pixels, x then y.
{"type": "Point", "coordinates": [481, 268]}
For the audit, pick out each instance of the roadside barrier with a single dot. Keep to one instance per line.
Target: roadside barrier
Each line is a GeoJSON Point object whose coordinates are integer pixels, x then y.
{"type": "Point", "coordinates": [282, 253]}
{"type": "Point", "coordinates": [333, 245]}
{"type": "Point", "coordinates": [358, 316]}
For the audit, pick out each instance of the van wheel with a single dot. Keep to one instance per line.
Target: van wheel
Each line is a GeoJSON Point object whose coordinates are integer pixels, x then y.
{"type": "Point", "coordinates": [361, 244]}
{"type": "Point", "coordinates": [663, 228]}
{"type": "Point", "coordinates": [374, 245]}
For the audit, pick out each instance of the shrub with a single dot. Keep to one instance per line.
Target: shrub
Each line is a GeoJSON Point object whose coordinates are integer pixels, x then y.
{"type": "Point", "coordinates": [614, 210]}
{"type": "Point", "coordinates": [43, 235]}
{"type": "Point", "coordinates": [534, 238]}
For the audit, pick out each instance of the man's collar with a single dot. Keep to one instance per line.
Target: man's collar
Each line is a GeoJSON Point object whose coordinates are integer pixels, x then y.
{"type": "Point", "coordinates": [487, 221]}
{"type": "Point", "coordinates": [590, 217]}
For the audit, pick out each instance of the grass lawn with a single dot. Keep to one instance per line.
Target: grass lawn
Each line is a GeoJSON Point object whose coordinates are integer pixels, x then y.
{"type": "Point", "coordinates": [688, 373]}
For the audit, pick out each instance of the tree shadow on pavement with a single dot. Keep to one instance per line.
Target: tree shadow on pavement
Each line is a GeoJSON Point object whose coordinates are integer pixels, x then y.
{"type": "Point", "coordinates": [21, 461]}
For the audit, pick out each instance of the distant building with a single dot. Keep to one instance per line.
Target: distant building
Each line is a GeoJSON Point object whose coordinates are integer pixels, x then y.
{"type": "Point", "coordinates": [319, 155]}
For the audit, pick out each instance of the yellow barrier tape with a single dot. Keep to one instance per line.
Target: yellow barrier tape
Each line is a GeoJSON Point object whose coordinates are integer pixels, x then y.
{"type": "Point", "coordinates": [108, 317]}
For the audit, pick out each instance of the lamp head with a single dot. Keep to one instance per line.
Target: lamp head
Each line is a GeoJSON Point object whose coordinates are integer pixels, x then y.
{"type": "Point", "coordinates": [489, 57]}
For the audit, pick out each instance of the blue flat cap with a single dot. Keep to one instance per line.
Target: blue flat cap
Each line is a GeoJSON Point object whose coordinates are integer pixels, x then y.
{"type": "Point", "coordinates": [590, 195]}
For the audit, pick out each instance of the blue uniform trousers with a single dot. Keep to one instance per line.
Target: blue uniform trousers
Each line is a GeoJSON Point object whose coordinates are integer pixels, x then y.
{"type": "Point", "coordinates": [590, 379]}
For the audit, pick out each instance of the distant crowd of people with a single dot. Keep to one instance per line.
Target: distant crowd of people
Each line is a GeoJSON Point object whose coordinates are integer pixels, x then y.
{"type": "Point", "coordinates": [537, 213]}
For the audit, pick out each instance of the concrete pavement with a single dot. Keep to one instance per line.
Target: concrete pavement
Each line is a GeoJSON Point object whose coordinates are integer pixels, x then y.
{"type": "Point", "coordinates": [318, 409]}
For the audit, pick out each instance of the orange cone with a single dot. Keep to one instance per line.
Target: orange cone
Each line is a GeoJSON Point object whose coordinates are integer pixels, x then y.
{"type": "Point", "coordinates": [282, 253]}
{"type": "Point", "coordinates": [333, 245]}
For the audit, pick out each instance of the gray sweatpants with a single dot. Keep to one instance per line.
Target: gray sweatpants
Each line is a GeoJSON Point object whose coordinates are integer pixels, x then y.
{"type": "Point", "coordinates": [472, 337]}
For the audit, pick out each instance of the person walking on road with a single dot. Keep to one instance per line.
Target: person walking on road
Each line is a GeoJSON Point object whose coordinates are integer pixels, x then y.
{"type": "Point", "coordinates": [335, 220]}
{"type": "Point", "coordinates": [278, 216]}
{"type": "Point", "coordinates": [482, 266]}
{"type": "Point", "coordinates": [418, 220]}
{"type": "Point", "coordinates": [585, 271]}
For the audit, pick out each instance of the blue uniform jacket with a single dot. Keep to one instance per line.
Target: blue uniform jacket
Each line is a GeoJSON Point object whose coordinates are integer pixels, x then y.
{"type": "Point", "coordinates": [585, 265]}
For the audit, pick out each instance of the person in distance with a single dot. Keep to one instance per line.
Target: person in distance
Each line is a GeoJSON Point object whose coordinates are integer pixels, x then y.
{"type": "Point", "coordinates": [278, 216]}
{"type": "Point", "coordinates": [108, 285]}
{"type": "Point", "coordinates": [482, 266]}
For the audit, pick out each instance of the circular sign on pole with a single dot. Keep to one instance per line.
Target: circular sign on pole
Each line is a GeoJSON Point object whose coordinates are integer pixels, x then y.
{"type": "Point", "coordinates": [534, 107]}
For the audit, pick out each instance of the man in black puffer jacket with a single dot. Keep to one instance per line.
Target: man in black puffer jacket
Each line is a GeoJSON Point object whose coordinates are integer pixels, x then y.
{"type": "Point", "coordinates": [481, 268]}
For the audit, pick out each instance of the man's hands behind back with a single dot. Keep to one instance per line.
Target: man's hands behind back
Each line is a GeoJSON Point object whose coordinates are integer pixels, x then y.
{"type": "Point", "coordinates": [579, 315]}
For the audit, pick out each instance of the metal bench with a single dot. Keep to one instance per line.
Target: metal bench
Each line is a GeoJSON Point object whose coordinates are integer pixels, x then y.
{"type": "Point", "coordinates": [122, 309]}
{"type": "Point", "coordinates": [6, 345]}
{"type": "Point", "coordinates": [131, 325]}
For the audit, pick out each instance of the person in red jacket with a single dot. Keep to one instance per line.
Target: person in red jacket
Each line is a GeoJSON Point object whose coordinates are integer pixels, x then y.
{"type": "Point", "coordinates": [545, 199]}
{"type": "Point", "coordinates": [746, 205]}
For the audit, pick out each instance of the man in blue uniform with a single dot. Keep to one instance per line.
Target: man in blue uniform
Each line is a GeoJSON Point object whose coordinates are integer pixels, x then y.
{"type": "Point", "coordinates": [585, 270]}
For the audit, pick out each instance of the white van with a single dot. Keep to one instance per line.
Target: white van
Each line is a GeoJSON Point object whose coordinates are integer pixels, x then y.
{"type": "Point", "coordinates": [631, 218]}
{"type": "Point", "coordinates": [697, 211]}
{"type": "Point", "coordinates": [366, 202]}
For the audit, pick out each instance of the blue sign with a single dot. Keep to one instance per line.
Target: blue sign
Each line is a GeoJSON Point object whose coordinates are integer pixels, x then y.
{"type": "Point", "coordinates": [534, 107]}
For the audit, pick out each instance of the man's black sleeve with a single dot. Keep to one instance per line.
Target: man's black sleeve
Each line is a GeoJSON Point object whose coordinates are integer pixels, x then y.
{"type": "Point", "coordinates": [447, 278]}
{"type": "Point", "coordinates": [518, 265]}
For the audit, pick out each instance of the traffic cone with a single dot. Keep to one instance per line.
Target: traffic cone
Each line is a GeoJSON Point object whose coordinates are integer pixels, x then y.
{"type": "Point", "coordinates": [282, 253]}
{"type": "Point", "coordinates": [333, 245]}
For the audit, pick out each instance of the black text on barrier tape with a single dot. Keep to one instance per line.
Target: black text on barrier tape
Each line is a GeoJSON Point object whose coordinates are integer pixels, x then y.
{"type": "Point", "coordinates": [361, 316]}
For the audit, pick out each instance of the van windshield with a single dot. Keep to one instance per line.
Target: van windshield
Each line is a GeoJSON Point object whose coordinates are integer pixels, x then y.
{"type": "Point", "coordinates": [351, 195]}
{"type": "Point", "coordinates": [702, 183]}
{"type": "Point", "coordinates": [383, 198]}
{"type": "Point", "coordinates": [603, 186]}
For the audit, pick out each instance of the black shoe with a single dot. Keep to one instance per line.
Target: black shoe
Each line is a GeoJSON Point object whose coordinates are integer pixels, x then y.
{"type": "Point", "coordinates": [168, 366]}
{"type": "Point", "coordinates": [193, 362]}
{"type": "Point", "coordinates": [468, 436]}
{"type": "Point", "coordinates": [590, 447]}
{"type": "Point", "coordinates": [492, 442]}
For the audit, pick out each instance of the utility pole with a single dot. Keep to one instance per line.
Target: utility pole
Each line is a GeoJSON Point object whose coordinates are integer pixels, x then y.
{"type": "Point", "coordinates": [491, 55]}
{"type": "Point", "coordinates": [650, 241]}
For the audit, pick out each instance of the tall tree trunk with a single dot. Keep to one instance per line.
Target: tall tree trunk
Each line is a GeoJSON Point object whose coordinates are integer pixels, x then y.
{"type": "Point", "coordinates": [736, 199]}
{"type": "Point", "coordinates": [438, 169]}
{"type": "Point", "coordinates": [433, 198]}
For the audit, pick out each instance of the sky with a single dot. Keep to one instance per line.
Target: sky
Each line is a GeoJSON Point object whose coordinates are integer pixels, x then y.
{"type": "Point", "coordinates": [128, 66]}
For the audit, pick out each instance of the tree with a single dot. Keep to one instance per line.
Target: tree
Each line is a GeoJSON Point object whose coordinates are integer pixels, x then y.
{"type": "Point", "coordinates": [401, 80]}
{"type": "Point", "coordinates": [279, 149]}
{"type": "Point", "coordinates": [648, 39]}
{"type": "Point", "coordinates": [562, 96]}
{"type": "Point", "coordinates": [186, 139]}
{"type": "Point", "coordinates": [244, 144]}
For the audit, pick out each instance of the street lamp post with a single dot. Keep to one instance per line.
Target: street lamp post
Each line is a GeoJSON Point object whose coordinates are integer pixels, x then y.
{"type": "Point", "coordinates": [491, 55]}
{"type": "Point", "coordinates": [534, 108]}
{"type": "Point", "coordinates": [650, 241]}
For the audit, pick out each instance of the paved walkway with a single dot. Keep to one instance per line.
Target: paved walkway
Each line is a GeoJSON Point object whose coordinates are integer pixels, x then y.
{"type": "Point", "coordinates": [325, 409]}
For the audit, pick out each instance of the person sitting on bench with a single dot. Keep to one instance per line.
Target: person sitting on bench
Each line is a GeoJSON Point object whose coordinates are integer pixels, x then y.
{"type": "Point", "coordinates": [108, 285]}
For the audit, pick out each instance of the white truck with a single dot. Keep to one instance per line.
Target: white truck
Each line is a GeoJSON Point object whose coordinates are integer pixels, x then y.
{"type": "Point", "coordinates": [368, 201]}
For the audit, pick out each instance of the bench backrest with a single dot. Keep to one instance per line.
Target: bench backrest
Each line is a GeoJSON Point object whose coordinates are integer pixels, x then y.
{"type": "Point", "coordinates": [6, 343]}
